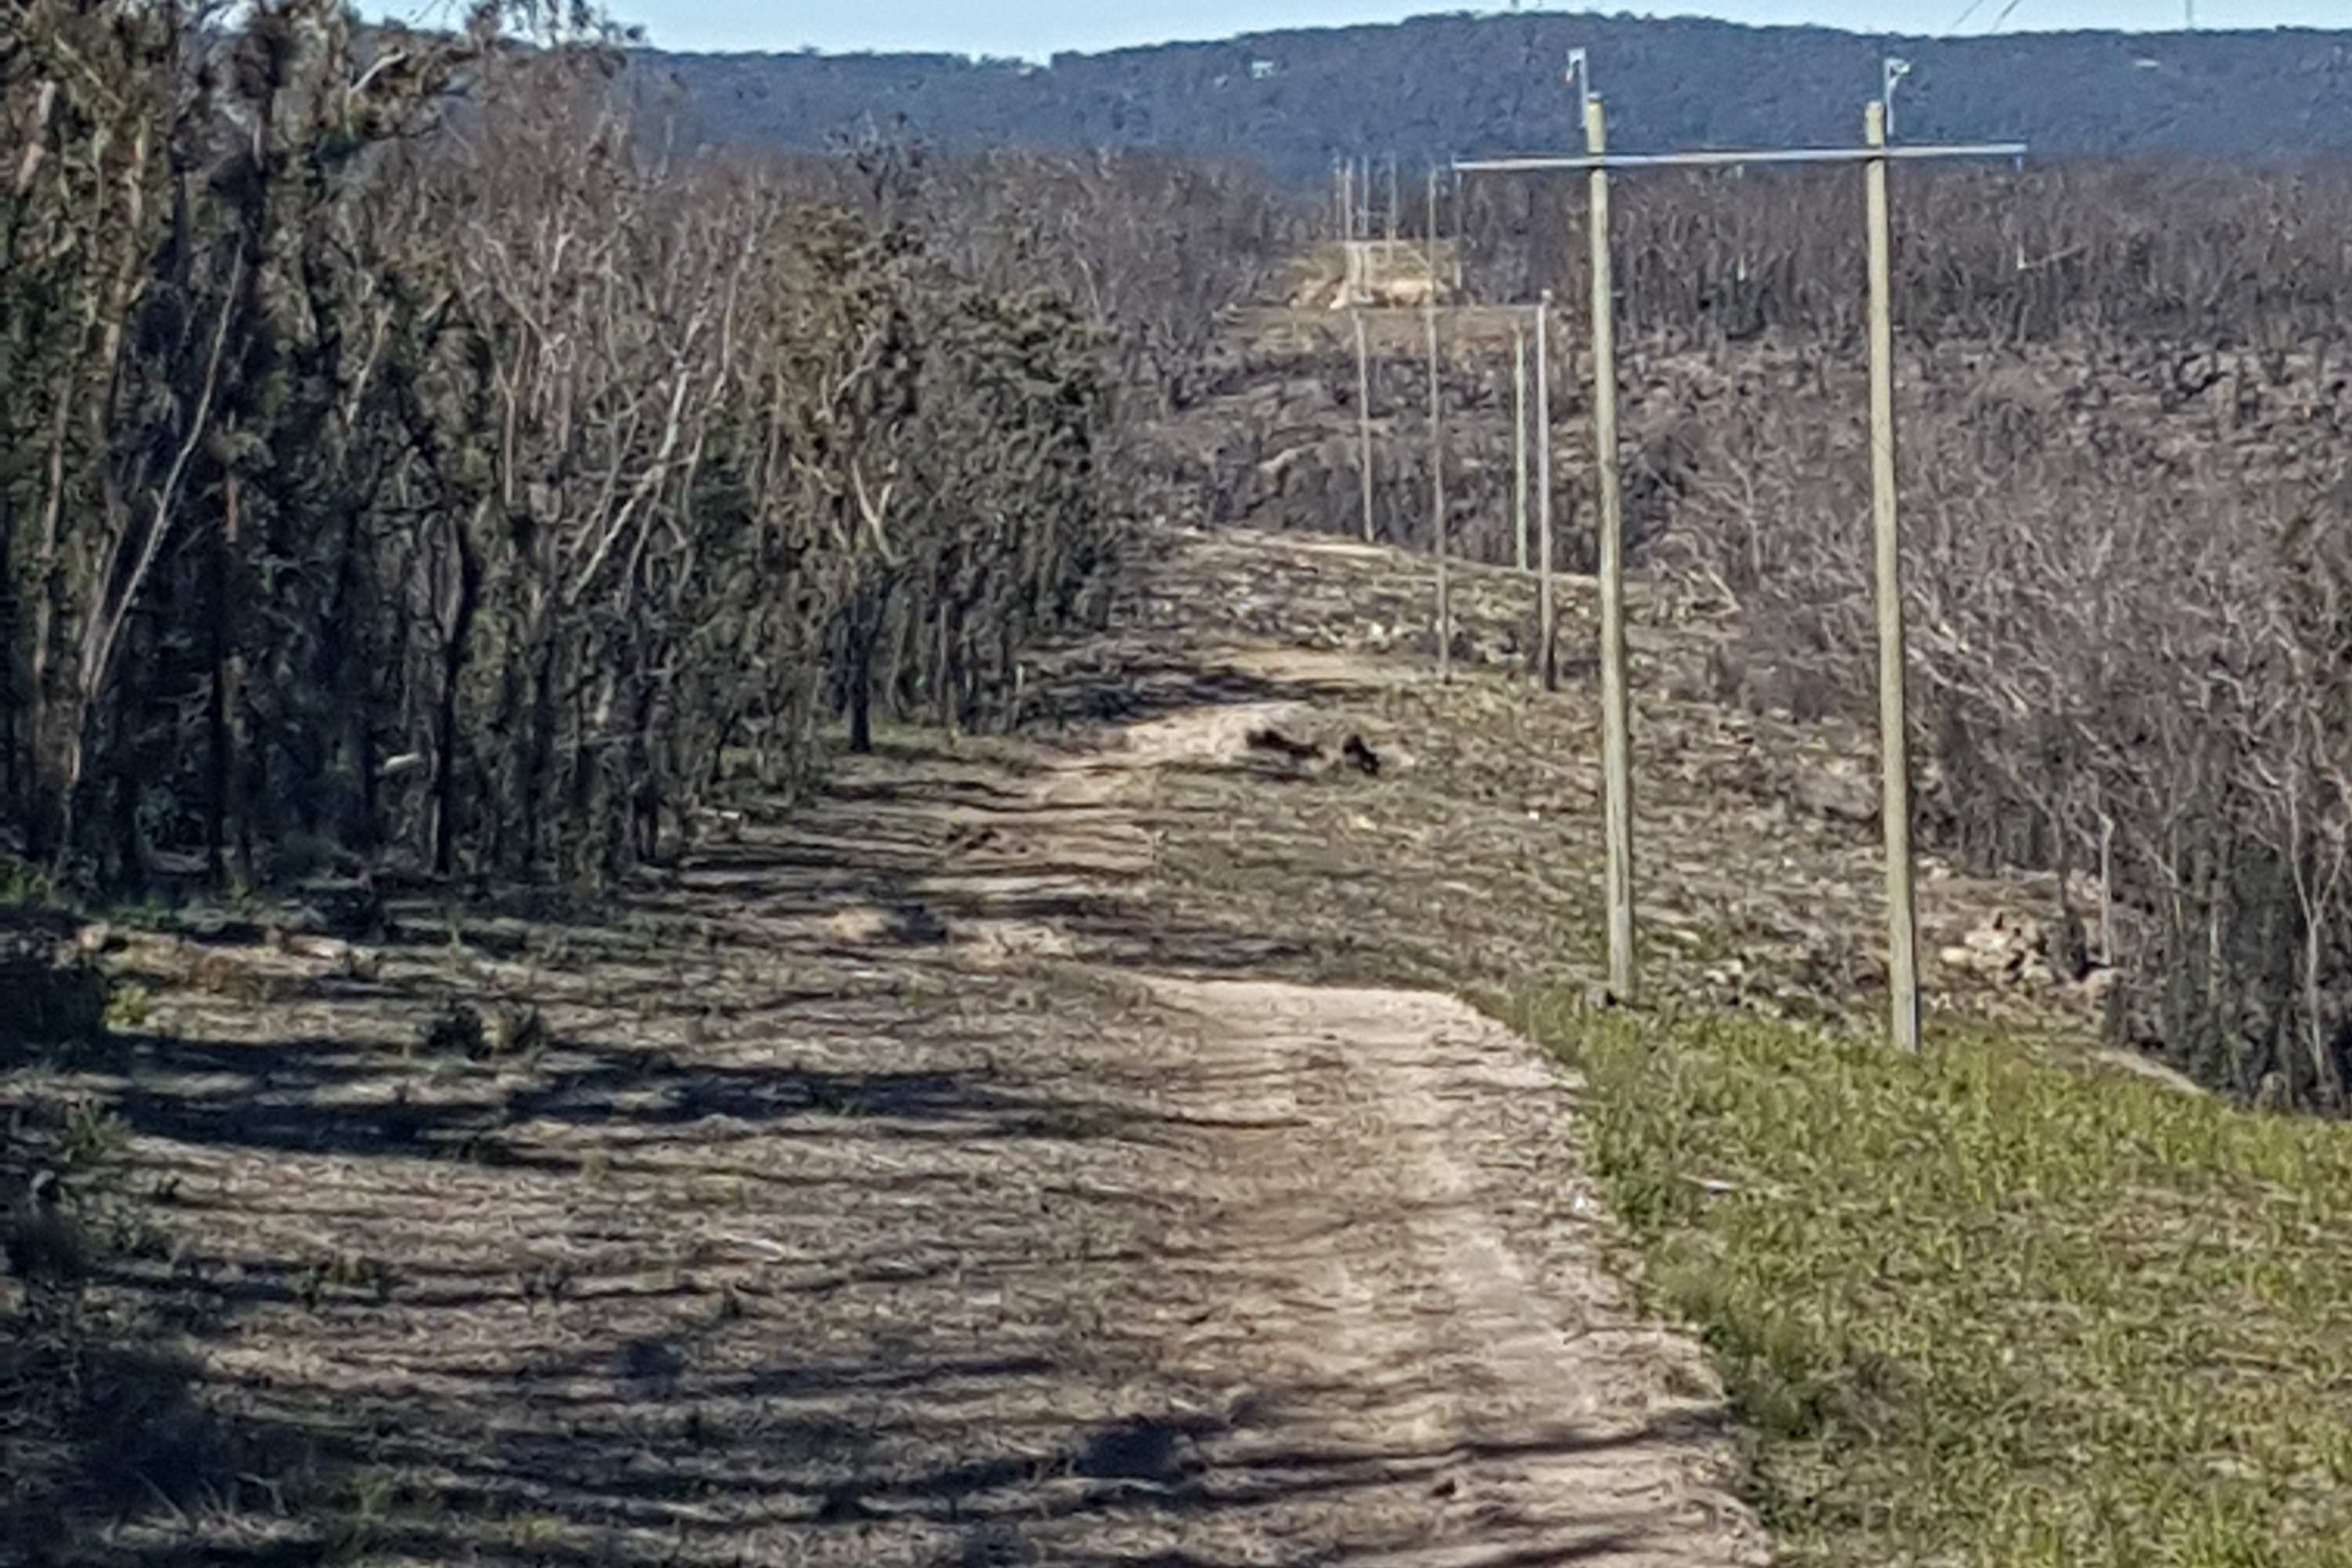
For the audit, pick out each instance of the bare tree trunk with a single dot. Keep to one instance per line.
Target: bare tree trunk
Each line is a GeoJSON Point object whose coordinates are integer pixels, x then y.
{"type": "Point", "coordinates": [221, 831]}
{"type": "Point", "coordinates": [2106, 890]}
{"type": "Point", "coordinates": [343, 676]}
{"type": "Point", "coordinates": [37, 141]}
{"type": "Point", "coordinates": [536, 791]}
{"type": "Point", "coordinates": [453, 671]}
{"type": "Point", "coordinates": [48, 769]}
{"type": "Point", "coordinates": [54, 746]}
{"type": "Point", "coordinates": [942, 694]}
{"type": "Point", "coordinates": [867, 619]}
{"type": "Point", "coordinates": [861, 698]}
{"type": "Point", "coordinates": [2326, 1088]}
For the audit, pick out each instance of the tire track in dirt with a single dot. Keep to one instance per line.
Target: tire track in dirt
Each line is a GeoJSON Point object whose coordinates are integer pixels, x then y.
{"type": "Point", "coordinates": [926, 1178]}
{"type": "Point", "coordinates": [1549, 1425]}
{"type": "Point", "coordinates": [1388, 1214]}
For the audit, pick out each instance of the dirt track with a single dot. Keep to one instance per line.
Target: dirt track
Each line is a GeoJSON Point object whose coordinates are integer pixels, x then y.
{"type": "Point", "coordinates": [924, 1178]}
{"type": "Point", "coordinates": [1379, 1244]}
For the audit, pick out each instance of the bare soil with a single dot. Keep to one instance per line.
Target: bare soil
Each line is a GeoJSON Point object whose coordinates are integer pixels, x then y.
{"type": "Point", "coordinates": [1061, 1149]}
{"type": "Point", "coordinates": [1471, 861]}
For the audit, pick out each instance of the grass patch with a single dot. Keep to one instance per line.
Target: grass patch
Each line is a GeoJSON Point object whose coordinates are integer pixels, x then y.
{"type": "Point", "coordinates": [23, 883]}
{"type": "Point", "coordinates": [1978, 1309]}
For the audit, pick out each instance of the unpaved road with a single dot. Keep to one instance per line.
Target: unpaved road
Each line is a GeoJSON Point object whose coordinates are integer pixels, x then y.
{"type": "Point", "coordinates": [1384, 1252]}
{"type": "Point", "coordinates": [919, 1180]}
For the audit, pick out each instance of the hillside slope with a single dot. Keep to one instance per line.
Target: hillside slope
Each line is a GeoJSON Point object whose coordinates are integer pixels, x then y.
{"type": "Point", "coordinates": [928, 1173]}
{"type": "Point", "coordinates": [1437, 86]}
{"type": "Point", "coordinates": [1035, 1152]}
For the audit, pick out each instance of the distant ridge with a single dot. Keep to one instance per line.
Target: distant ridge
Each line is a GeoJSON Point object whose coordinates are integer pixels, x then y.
{"type": "Point", "coordinates": [1293, 101]}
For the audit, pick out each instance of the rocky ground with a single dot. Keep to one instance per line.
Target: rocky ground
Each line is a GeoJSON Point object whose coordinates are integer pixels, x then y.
{"type": "Point", "coordinates": [1472, 858]}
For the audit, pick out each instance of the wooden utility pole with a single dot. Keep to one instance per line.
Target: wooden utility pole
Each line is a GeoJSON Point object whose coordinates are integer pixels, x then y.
{"type": "Point", "coordinates": [1438, 453]}
{"type": "Point", "coordinates": [1519, 437]}
{"type": "Point", "coordinates": [1461, 231]}
{"type": "Point", "coordinates": [1546, 633]}
{"type": "Point", "coordinates": [1893, 710]}
{"type": "Point", "coordinates": [1616, 728]}
{"type": "Point", "coordinates": [1364, 418]}
{"type": "Point", "coordinates": [1616, 725]}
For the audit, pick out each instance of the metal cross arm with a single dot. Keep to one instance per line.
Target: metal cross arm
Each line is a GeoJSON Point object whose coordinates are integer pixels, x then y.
{"type": "Point", "coordinates": [1538, 162]}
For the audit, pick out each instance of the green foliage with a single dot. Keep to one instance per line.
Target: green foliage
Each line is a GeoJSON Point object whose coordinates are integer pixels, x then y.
{"type": "Point", "coordinates": [92, 1138]}
{"type": "Point", "coordinates": [128, 1006]}
{"type": "Point", "coordinates": [1978, 1308]}
{"type": "Point", "coordinates": [26, 885]}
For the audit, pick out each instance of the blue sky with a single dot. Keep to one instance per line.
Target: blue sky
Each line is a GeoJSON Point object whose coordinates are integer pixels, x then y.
{"type": "Point", "coordinates": [1036, 28]}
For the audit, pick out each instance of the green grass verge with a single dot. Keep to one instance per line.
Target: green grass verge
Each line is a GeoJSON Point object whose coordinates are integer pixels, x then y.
{"type": "Point", "coordinates": [1978, 1309]}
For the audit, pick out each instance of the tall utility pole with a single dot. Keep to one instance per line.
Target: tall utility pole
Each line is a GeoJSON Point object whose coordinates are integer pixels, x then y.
{"type": "Point", "coordinates": [1616, 720]}
{"type": "Point", "coordinates": [1519, 438]}
{"type": "Point", "coordinates": [1875, 154]}
{"type": "Point", "coordinates": [1894, 712]}
{"type": "Point", "coordinates": [1547, 634]}
{"type": "Point", "coordinates": [1364, 418]}
{"type": "Point", "coordinates": [1461, 231]}
{"type": "Point", "coordinates": [1437, 454]}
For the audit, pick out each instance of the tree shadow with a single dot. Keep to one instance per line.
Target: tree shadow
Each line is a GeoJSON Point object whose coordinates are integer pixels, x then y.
{"type": "Point", "coordinates": [488, 1401]}
{"type": "Point", "coordinates": [1114, 685]}
{"type": "Point", "coordinates": [105, 1425]}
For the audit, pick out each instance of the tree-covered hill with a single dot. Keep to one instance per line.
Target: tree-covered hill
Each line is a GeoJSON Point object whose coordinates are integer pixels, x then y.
{"type": "Point", "coordinates": [1442, 85]}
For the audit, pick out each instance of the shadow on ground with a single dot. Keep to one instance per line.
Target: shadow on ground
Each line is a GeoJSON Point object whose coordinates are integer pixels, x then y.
{"type": "Point", "coordinates": [813, 1218]}
{"type": "Point", "coordinates": [793, 1237]}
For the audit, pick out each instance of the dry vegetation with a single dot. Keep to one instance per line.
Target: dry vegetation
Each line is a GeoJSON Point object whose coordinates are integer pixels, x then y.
{"type": "Point", "coordinates": [920, 1177]}
{"type": "Point", "coordinates": [428, 469]}
{"type": "Point", "coordinates": [416, 482]}
{"type": "Point", "coordinates": [710, 845]}
{"type": "Point", "coordinates": [2010, 1304]}
{"type": "Point", "coordinates": [2125, 455]}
